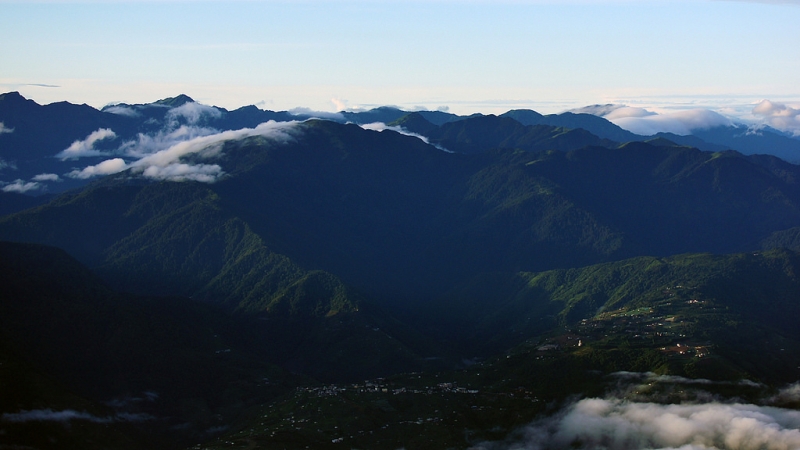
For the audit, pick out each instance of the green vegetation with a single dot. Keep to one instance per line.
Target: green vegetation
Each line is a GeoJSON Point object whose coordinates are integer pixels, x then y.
{"type": "Point", "coordinates": [361, 287]}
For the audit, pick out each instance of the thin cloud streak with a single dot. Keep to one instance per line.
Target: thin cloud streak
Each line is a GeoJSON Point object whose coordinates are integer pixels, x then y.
{"type": "Point", "coordinates": [107, 167]}
{"type": "Point", "coordinates": [47, 177]}
{"type": "Point", "coordinates": [21, 186]}
{"type": "Point", "coordinates": [380, 126]}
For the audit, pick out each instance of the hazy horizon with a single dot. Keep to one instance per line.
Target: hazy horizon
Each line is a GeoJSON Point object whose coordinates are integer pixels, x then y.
{"type": "Point", "coordinates": [457, 55]}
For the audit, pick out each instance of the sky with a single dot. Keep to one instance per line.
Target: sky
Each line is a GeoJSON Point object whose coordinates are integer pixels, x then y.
{"type": "Point", "coordinates": [463, 56]}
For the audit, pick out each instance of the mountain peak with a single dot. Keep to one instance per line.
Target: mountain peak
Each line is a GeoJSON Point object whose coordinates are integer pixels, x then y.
{"type": "Point", "coordinates": [415, 122]}
{"type": "Point", "coordinates": [175, 101]}
{"type": "Point", "coordinates": [524, 116]}
{"type": "Point", "coordinates": [12, 97]}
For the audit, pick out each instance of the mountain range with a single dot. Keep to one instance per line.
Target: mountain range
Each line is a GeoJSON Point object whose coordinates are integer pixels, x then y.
{"type": "Point", "coordinates": [238, 260]}
{"type": "Point", "coordinates": [43, 147]}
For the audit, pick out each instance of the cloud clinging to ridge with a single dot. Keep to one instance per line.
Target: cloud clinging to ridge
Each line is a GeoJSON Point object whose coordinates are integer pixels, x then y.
{"type": "Point", "coordinates": [193, 112]}
{"type": "Point", "coordinates": [380, 126]}
{"type": "Point", "coordinates": [107, 167]}
{"type": "Point", "coordinates": [122, 111]}
{"type": "Point", "coordinates": [779, 116]}
{"type": "Point", "coordinates": [85, 147]}
{"type": "Point", "coordinates": [166, 164]}
{"type": "Point", "coordinates": [160, 157]}
{"type": "Point", "coordinates": [308, 112]}
{"type": "Point", "coordinates": [647, 123]}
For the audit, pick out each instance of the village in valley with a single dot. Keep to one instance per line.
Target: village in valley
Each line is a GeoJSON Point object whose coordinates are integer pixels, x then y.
{"type": "Point", "coordinates": [667, 325]}
{"type": "Point", "coordinates": [514, 388]}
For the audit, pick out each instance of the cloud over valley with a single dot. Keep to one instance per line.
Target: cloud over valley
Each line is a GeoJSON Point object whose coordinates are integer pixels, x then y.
{"type": "Point", "coordinates": [616, 424]}
{"type": "Point", "coordinates": [625, 422]}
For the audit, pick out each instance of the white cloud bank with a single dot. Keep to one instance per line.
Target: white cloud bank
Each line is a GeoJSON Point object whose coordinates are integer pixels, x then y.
{"type": "Point", "coordinates": [165, 164]}
{"type": "Point", "coordinates": [85, 147]}
{"type": "Point", "coordinates": [631, 418]}
{"type": "Point", "coordinates": [160, 157]}
{"type": "Point", "coordinates": [779, 116]}
{"type": "Point", "coordinates": [146, 144]}
{"type": "Point", "coordinates": [4, 129]}
{"type": "Point", "coordinates": [647, 123]}
{"type": "Point", "coordinates": [615, 424]}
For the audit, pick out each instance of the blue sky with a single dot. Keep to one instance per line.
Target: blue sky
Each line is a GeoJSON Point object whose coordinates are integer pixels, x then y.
{"type": "Point", "coordinates": [466, 56]}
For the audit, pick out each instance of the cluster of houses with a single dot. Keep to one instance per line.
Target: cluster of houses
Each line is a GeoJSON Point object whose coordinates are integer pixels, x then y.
{"type": "Point", "coordinates": [662, 325]}
{"type": "Point", "coordinates": [381, 386]}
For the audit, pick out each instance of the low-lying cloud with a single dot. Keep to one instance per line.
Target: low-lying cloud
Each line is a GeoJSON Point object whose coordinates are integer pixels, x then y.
{"type": "Point", "coordinates": [205, 173]}
{"type": "Point", "coordinates": [779, 116]}
{"type": "Point", "coordinates": [85, 147]}
{"type": "Point", "coordinates": [193, 113]}
{"type": "Point", "coordinates": [166, 164]}
{"type": "Point", "coordinates": [641, 122]}
{"type": "Point", "coordinates": [650, 378]}
{"type": "Point", "coordinates": [631, 419]}
{"type": "Point", "coordinates": [160, 157]}
{"type": "Point", "coordinates": [21, 186]}
{"type": "Point", "coordinates": [616, 424]}
{"type": "Point", "coordinates": [146, 144]}
{"type": "Point", "coordinates": [47, 177]}
{"type": "Point", "coordinates": [4, 129]}
{"type": "Point", "coordinates": [647, 123]}
{"type": "Point", "coordinates": [310, 113]}
{"type": "Point", "coordinates": [68, 415]}
{"type": "Point", "coordinates": [107, 167]}
{"type": "Point", "coordinates": [122, 110]}
{"type": "Point", "coordinates": [789, 394]}
{"type": "Point", "coordinates": [7, 165]}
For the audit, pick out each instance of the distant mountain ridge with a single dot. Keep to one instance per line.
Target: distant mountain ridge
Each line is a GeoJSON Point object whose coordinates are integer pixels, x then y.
{"type": "Point", "coordinates": [35, 134]}
{"type": "Point", "coordinates": [378, 209]}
